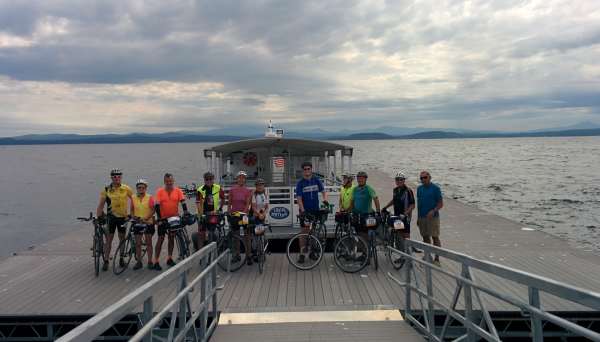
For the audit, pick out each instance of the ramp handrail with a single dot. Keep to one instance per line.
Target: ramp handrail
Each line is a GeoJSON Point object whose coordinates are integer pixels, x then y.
{"type": "Point", "coordinates": [183, 313]}
{"type": "Point", "coordinates": [465, 283]}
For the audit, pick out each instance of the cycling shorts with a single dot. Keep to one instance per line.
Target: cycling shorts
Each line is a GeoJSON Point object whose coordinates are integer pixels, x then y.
{"type": "Point", "coordinates": [163, 228]}
{"type": "Point", "coordinates": [139, 229]}
{"type": "Point", "coordinates": [116, 223]}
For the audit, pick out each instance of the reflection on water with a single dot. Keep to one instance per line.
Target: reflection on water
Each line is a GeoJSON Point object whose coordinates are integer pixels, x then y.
{"type": "Point", "coordinates": [548, 183]}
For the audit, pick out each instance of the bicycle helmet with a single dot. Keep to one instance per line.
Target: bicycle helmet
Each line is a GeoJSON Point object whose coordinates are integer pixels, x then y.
{"type": "Point", "coordinates": [260, 181]}
{"type": "Point", "coordinates": [208, 175]}
{"type": "Point", "coordinates": [242, 173]}
{"type": "Point", "coordinates": [116, 172]}
{"type": "Point", "coordinates": [141, 181]}
{"type": "Point", "coordinates": [400, 175]}
{"type": "Point", "coordinates": [362, 174]}
{"type": "Point", "coordinates": [347, 175]}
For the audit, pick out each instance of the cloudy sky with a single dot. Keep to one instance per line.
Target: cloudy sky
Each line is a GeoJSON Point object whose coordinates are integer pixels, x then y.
{"type": "Point", "coordinates": [154, 66]}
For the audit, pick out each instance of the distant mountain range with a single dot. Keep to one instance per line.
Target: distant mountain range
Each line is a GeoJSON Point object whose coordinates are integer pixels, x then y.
{"type": "Point", "coordinates": [244, 132]}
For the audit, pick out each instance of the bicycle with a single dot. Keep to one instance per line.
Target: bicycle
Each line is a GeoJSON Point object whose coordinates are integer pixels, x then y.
{"type": "Point", "coordinates": [394, 230]}
{"type": "Point", "coordinates": [233, 242]}
{"type": "Point", "coordinates": [351, 251]}
{"type": "Point", "coordinates": [313, 242]}
{"type": "Point", "coordinates": [98, 241]}
{"type": "Point", "coordinates": [127, 247]}
{"type": "Point", "coordinates": [342, 224]}
{"type": "Point", "coordinates": [261, 244]}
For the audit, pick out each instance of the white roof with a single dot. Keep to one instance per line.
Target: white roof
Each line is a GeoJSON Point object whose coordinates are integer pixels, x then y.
{"type": "Point", "coordinates": [294, 146]}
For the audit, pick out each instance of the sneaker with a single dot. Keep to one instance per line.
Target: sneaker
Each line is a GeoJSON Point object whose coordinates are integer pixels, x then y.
{"type": "Point", "coordinates": [170, 262]}
{"type": "Point", "coordinates": [121, 262]}
{"type": "Point", "coordinates": [437, 263]}
{"type": "Point", "coordinates": [248, 261]}
{"type": "Point", "coordinates": [157, 267]}
{"type": "Point", "coordinates": [138, 265]}
{"type": "Point", "coordinates": [301, 259]}
{"type": "Point", "coordinates": [313, 256]}
{"type": "Point", "coordinates": [150, 266]}
{"type": "Point", "coordinates": [105, 265]}
{"type": "Point", "coordinates": [255, 258]}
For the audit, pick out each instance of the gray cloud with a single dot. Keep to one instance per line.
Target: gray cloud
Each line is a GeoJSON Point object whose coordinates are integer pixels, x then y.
{"type": "Point", "coordinates": [302, 62]}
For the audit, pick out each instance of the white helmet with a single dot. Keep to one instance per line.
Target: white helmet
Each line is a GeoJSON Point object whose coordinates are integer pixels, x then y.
{"type": "Point", "coordinates": [141, 181]}
{"type": "Point", "coordinates": [400, 175]}
{"type": "Point", "coordinates": [242, 173]}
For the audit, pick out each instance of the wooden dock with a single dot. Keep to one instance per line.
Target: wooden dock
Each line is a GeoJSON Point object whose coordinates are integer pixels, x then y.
{"type": "Point", "coordinates": [57, 279]}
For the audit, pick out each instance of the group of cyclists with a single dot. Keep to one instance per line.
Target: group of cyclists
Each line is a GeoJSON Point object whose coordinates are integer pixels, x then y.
{"type": "Point", "coordinates": [151, 212]}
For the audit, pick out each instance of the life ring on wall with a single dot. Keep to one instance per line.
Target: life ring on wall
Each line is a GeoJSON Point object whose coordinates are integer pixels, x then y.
{"type": "Point", "coordinates": [249, 158]}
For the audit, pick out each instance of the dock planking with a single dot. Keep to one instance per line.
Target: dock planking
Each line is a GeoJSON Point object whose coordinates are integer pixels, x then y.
{"type": "Point", "coordinates": [56, 278]}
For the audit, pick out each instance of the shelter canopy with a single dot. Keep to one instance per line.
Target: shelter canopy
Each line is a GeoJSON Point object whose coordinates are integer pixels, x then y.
{"type": "Point", "coordinates": [296, 146]}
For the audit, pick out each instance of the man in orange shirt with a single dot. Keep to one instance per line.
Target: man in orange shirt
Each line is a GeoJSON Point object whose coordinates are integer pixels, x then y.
{"type": "Point", "coordinates": [167, 201]}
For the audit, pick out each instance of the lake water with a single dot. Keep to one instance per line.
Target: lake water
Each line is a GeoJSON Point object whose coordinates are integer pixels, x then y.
{"type": "Point", "coordinates": [551, 184]}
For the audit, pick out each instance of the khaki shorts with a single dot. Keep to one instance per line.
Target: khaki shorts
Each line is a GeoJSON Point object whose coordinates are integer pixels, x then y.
{"type": "Point", "coordinates": [429, 227]}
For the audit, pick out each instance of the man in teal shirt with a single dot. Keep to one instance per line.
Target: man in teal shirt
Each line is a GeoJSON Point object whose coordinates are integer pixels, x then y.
{"type": "Point", "coordinates": [362, 198]}
{"type": "Point", "coordinates": [429, 203]}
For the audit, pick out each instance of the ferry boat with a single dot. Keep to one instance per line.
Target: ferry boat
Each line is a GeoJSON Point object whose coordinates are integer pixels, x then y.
{"type": "Point", "coordinates": [277, 160]}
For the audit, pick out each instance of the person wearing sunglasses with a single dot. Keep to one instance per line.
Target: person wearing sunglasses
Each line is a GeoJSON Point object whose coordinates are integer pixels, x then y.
{"type": "Point", "coordinates": [117, 198]}
{"type": "Point", "coordinates": [210, 198]}
{"type": "Point", "coordinates": [429, 203]}
{"type": "Point", "coordinates": [403, 200]}
{"type": "Point", "coordinates": [307, 195]}
{"type": "Point", "coordinates": [143, 212]}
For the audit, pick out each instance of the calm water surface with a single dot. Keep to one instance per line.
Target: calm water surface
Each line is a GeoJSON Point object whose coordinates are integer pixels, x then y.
{"type": "Point", "coordinates": [551, 184]}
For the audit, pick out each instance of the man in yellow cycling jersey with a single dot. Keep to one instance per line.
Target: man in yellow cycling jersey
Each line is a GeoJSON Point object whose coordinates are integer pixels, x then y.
{"type": "Point", "coordinates": [346, 192]}
{"type": "Point", "coordinates": [143, 211]}
{"type": "Point", "coordinates": [116, 197]}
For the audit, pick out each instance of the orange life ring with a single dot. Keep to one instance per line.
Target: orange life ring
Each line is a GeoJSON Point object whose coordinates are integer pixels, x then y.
{"type": "Point", "coordinates": [249, 158]}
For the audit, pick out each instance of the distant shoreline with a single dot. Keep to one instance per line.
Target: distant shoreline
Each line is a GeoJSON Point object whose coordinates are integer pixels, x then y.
{"type": "Point", "coordinates": [136, 138]}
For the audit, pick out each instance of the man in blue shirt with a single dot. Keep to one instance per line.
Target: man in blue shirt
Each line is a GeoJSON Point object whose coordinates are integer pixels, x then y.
{"type": "Point", "coordinates": [307, 194]}
{"type": "Point", "coordinates": [429, 203]}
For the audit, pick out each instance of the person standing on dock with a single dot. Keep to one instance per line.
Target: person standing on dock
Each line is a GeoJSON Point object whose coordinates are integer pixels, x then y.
{"type": "Point", "coordinates": [346, 193]}
{"type": "Point", "coordinates": [143, 211]}
{"type": "Point", "coordinates": [167, 202]}
{"type": "Point", "coordinates": [116, 197]}
{"type": "Point", "coordinates": [307, 195]}
{"type": "Point", "coordinates": [403, 200]}
{"type": "Point", "coordinates": [240, 198]}
{"type": "Point", "coordinates": [209, 200]}
{"type": "Point", "coordinates": [362, 201]}
{"type": "Point", "coordinates": [429, 203]}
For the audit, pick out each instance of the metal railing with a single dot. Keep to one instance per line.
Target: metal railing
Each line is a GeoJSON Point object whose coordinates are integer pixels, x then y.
{"type": "Point", "coordinates": [472, 293]}
{"type": "Point", "coordinates": [185, 311]}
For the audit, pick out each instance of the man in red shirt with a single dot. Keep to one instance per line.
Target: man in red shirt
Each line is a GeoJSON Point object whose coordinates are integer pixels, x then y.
{"type": "Point", "coordinates": [167, 201]}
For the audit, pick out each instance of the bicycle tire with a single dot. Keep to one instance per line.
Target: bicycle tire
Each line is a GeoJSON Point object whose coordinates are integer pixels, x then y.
{"type": "Point", "coordinates": [374, 253]}
{"type": "Point", "coordinates": [228, 242]}
{"type": "Point", "coordinates": [126, 251]}
{"type": "Point", "coordinates": [182, 245]}
{"type": "Point", "coordinates": [96, 254]}
{"type": "Point", "coordinates": [313, 247]}
{"type": "Point", "coordinates": [394, 258]}
{"type": "Point", "coordinates": [260, 249]}
{"type": "Point", "coordinates": [339, 231]}
{"type": "Point", "coordinates": [349, 248]}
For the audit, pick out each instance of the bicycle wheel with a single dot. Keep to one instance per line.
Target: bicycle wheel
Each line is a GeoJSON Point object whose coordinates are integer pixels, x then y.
{"type": "Point", "coordinates": [309, 256]}
{"type": "Point", "coordinates": [97, 253]}
{"type": "Point", "coordinates": [123, 251]}
{"type": "Point", "coordinates": [260, 253]}
{"type": "Point", "coordinates": [339, 231]}
{"type": "Point", "coordinates": [238, 259]}
{"type": "Point", "coordinates": [396, 259]}
{"type": "Point", "coordinates": [374, 253]}
{"type": "Point", "coordinates": [351, 253]}
{"type": "Point", "coordinates": [182, 246]}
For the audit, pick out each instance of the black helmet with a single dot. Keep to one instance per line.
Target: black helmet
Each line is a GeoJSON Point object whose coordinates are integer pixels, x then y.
{"type": "Point", "coordinates": [260, 181]}
{"type": "Point", "coordinates": [362, 174]}
{"type": "Point", "coordinates": [306, 163]}
{"type": "Point", "coordinates": [116, 172]}
{"type": "Point", "coordinates": [208, 175]}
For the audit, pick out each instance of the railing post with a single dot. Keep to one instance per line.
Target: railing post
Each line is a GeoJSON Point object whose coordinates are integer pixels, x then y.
{"type": "Point", "coordinates": [408, 302]}
{"type": "Point", "coordinates": [147, 315]}
{"type": "Point", "coordinates": [202, 316]}
{"type": "Point", "coordinates": [182, 303]}
{"type": "Point", "coordinates": [468, 303]}
{"type": "Point", "coordinates": [214, 289]}
{"type": "Point", "coordinates": [537, 333]}
{"type": "Point", "coordinates": [429, 282]}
